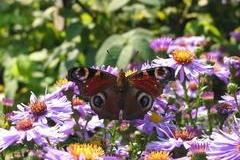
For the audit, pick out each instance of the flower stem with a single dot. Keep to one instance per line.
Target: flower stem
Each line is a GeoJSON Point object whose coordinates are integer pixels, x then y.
{"type": "Point", "coordinates": [209, 119]}
{"type": "Point", "coordinates": [187, 99]}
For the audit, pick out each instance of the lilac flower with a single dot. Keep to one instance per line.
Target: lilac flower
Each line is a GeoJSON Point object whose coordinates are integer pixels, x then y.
{"type": "Point", "coordinates": [40, 109]}
{"type": "Point", "coordinates": [161, 44]}
{"type": "Point", "coordinates": [224, 146]}
{"type": "Point", "coordinates": [185, 65]}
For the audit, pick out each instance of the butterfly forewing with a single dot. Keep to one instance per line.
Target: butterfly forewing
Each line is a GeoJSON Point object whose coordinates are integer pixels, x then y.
{"type": "Point", "coordinates": [89, 80]}
{"type": "Point", "coordinates": [151, 81]}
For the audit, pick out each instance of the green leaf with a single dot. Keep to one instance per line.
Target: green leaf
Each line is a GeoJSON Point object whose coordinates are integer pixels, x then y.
{"type": "Point", "coordinates": [151, 2]}
{"type": "Point", "coordinates": [74, 30]}
{"type": "Point", "coordinates": [38, 56]}
{"type": "Point", "coordinates": [112, 41]}
{"type": "Point", "coordinates": [125, 56]}
{"type": "Point", "coordinates": [117, 4]}
{"type": "Point", "coordinates": [142, 33]}
{"type": "Point", "coordinates": [11, 86]}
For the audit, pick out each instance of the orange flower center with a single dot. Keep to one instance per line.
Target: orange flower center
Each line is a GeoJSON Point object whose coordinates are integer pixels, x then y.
{"type": "Point", "coordinates": [77, 101]}
{"type": "Point", "coordinates": [184, 135]}
{"type": "Point", "coordinates": [193, 86]}
{"type": "Point", "coordinates": [225, 106]}
{"type": "Point", "coordinates": [182, 56]}
{"type": "Point", "coordinates": [158, 155]}
{"type": "Point", "coordinates": [24, 124]}
{"type": "Point", "coordinates": [89, 151]}
{"type": "Point", "coordinates": [38, 108]}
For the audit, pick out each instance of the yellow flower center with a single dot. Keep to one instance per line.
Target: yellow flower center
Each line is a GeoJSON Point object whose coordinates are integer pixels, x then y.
{"type": "Point", "coordinates": [38, 108]}
{"type": "Point", "coordinates": [158, 155]}
{"type": "Point", "coordinates": [129, 72]}
{"type": "Point", "coordinates": [155, 117]}
{"type": "Point", "coordinates": [182, 56]}
{"type": "Point", "coordinates": [61, 82]}
{"type": "Point", "coordinates": [89, 151]}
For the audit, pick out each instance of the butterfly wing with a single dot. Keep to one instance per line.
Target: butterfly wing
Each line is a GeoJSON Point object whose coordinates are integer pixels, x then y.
{"type": "Point", "coordinates": [152, 81]}
{"type": "Point", "coordinates": [97, 87]}
{"type": "Point", "coordinates": [144, 87]}
{"type": "Point", "coordinates": [89, 80]}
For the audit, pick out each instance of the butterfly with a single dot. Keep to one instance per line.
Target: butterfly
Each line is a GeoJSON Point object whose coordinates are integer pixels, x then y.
{"type": "Point", "coordinates": [119, 96]}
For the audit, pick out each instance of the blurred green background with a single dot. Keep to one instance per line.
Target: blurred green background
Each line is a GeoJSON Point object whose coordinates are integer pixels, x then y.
{"type": "Point", "coordinates": [41, 39]}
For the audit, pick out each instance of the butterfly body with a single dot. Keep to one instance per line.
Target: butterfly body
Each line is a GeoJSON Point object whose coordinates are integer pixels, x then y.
{"type": "Point", "coordinates": [120, 96]}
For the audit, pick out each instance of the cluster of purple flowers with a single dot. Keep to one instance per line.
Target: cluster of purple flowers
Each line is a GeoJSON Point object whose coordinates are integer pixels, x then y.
{"type": "Point", "coordinates": [186, 122]}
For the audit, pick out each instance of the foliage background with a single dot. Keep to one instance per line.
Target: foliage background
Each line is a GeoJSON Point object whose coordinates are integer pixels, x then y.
{"type": "Point", "coordinates": [42, 39]}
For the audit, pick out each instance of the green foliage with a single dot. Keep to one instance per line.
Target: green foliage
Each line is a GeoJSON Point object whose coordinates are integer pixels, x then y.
{"type": "Point", "coordinates": [41, 39]}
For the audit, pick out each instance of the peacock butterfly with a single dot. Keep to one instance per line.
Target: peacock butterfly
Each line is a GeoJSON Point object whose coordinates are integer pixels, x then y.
{"type": "Point", "coordinates": [120, 97]}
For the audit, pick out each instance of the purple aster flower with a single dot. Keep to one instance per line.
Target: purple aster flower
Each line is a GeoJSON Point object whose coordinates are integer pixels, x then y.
{"type": "Point", "coordinates": [161, 44]}
{"type": "Point", "coordinates": [7, 102]}
{"type": "Point", "coordinates": [221, 71]}
{"type": "Point", "coordinates": [54, 154]}
{"type": "Point", "coordinates": [229, 102]}
{"type": "Point", "coordinates": [174, 138]}
{"type": "Point", "coordinates": [162, 107]}
{"type": "Point", "coordinates": [199, 146]}
{"type": "Point", "coordinates": [63, 86]}
{"type": "Point", "coordinates": [153, 121]}
{"type": "Point", "coordinates": [110, 158]}
{"type": "Point", "coordinates": [40, 109]}
{"type": "Point", "coordinates": [187, 43]}
{"type": "Point", "coordinates": [82, 107]}
{"type": "Point", "coordinates": [109, 69]}
{"type": "Point", "coordinates": [122, 152]}
{"type": "Point", "coordinates": [234, 64]}
{"type": "Point", "coordinates": [25, 129]}
{"type": "Point", "coordinates": [92, 124]}
{"type": "Point", "coordinates": [185, 65]}
{"type": "Point", "coordinates": [201, 112]}
{"type": "Point", "coordinates": [213, 56]}
{"type": "Point", "coordinates": [224, 146]}
{"type": "Point", "coordinates": [236, 34]}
